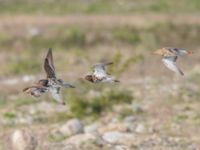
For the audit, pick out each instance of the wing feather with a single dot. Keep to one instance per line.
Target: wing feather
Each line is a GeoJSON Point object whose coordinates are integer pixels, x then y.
{"type": "Point", "coordinates": [99, 70]}
{"type": "Point", "coordinates": [55, 92]}
{"type": "Point", "coordinates": [49, 70]}
{"type": "Point", "coordinates": [35, 90]}
{"type": "Point", "coordinates": [50, 59]}
{"type": "Point", "coordinates": [170, 63]}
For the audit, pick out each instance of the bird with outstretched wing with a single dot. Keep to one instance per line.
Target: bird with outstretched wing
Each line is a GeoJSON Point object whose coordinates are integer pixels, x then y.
{"type": "Point", "coordinates": [100, 75]}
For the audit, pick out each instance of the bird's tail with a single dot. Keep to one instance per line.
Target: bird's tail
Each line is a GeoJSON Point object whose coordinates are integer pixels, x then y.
{"type": "Point", "coordinates": [180, 72]}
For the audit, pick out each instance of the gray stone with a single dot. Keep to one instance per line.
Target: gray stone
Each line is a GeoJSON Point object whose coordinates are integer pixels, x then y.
{"type": "Point", "coordinates": [130, 123]}
{"type": "Point", "coordinates": [72, 127]}
{"type": "Point", "coordinates": [115, 136]}
{"type": "Point", "coordinates": [137, 107]}
{"type": "Point", "coordinates": [91, 128]}
{"type": "Point", "coordinates": [80, 139]}
{"type": "Point", "coordinates": [23, 140]}
{"type": "Point", "coordinates": [140, 128]}
{"type": "Point", "coordinates": [130, 119]}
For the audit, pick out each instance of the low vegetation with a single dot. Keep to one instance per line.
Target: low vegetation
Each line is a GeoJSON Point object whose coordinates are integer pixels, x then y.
{"type": "Point", "coordinates": [83, 106]}
{"type": "Point", "coordinates": [63, 7]}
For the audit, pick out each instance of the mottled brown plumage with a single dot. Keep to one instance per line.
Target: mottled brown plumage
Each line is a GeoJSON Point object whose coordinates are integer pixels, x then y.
{"type": "Point", "coordinates": [51, 84]}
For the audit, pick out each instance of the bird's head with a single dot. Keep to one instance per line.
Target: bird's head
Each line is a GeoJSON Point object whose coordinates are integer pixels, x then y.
{"type": "Point", "coordinates": [159, 52]}
{"type": "Point", "coordinates": [43, 82]}
{"type": "Point", "coordinates": [89, 78]}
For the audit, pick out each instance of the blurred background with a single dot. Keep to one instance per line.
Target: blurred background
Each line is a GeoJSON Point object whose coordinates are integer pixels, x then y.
{"type": "Point", "coordinates": [151, 109]}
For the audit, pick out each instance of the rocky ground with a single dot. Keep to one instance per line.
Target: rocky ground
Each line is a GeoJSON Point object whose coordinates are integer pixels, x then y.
{"type": "Point", "coordinates": [150, 109]}
{"type": "Point", "coordinates": [164, 115]}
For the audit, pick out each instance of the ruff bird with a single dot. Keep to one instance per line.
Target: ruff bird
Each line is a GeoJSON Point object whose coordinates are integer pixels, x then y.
{"type": "Point", "coordinates": [51, 84]}
{"type": "Point", "coordinates": [99, 74]}
{"type": "Point", "coordinates": [170, 56]}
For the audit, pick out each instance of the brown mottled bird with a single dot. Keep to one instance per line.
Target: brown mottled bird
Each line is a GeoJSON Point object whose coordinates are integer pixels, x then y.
{"type": "Point", "coordinates": [99, 74]}
{"type": "Point", "coordinates": [52, 84]}
{"type": "Point", "coordinates": [170, 56]}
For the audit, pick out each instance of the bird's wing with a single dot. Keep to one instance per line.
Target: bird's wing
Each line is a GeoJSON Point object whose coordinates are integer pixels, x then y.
{"type": "Point", "coordinates": [178, 51]}
{"type": "Point", "coordinates": [50, 59]}
{"type": "Point", "coordinates": [35, 90]}
{"type": "Point", "coordinates": [48, 69]}
{"type": "Point", "coordinates": [55, 93]}
{"type": "Point", "coordinates": [170, 63]}
{"type": "Point", "coordinates": [99, 70]}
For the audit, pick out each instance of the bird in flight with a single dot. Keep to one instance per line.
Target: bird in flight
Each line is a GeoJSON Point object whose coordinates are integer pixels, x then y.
{"type": "Point", "coordinates": [170, 56]}
{"type": "Point", "coordinates": [51, 84]}
{"type": "Point", "coordinates": [99, 74]}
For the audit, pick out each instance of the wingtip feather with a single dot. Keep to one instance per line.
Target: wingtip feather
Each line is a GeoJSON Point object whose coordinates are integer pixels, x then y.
{"type": "Point", "coordinates": [50, 50]}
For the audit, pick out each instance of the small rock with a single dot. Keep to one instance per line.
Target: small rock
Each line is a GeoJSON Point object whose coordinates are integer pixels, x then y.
{"type": "Point", "coordinates": [59, 146]}
{"type": "Point", "coordinates": [80, 139]}
{"type": "Point", "coordinates": [23, 140]}
{"type": "Point", "coordinates": [140, 128]}
{"type": "Point", "coordinates": [91, 128]}
{"type": "Point", "coordinates": [72, 127]}
{"type": "Point", "coordinates": [121, 147]}
{"type": "Point", "coordinates": [113, 127]}
{"type": "Point", "coordinates": [112, 137]}
{"type": "Point", "coordinates": [136, 107]}
{"type": "Point", "coordinates": [115, 136]}
{"type": "Point", "coordinates": [34, 31]}
{"type": "Point", "coordinates": [130, 123]}
{"type": "Point", "coordinates": [130, 119]}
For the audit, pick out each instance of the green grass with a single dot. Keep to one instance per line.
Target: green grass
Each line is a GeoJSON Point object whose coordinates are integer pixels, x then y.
{"type": "Point", "coordinates": [63, 37]}
{"type": "Point", "coordinates": [3, 101]}
{"type": "Point", "coordinates": [180, 118]}
{"type": "Point", "coordinates": [82, 106]}
{"type": "Point", "coordinates": [56, 138]}
{"type": "Point", "coordinates": [23, 102]}
{"type": "Point", "coordinates": [126, 35]}
{"type": "Point", "coordinates": [22, 66]}
{"type": "Point", "coordinates": [125, 112]}
{"type": "Point", "coordinates": [9, 115]}
{"type": "Point", "coordinates": [63, 7]}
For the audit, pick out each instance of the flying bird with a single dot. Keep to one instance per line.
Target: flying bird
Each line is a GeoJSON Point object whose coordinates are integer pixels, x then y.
{"type": "Point", "coordinates": [99, 74]}
{"type": "Point", "coordinates": [170, 56]}
{"type": "Point", "coordinates": [51, 84]}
